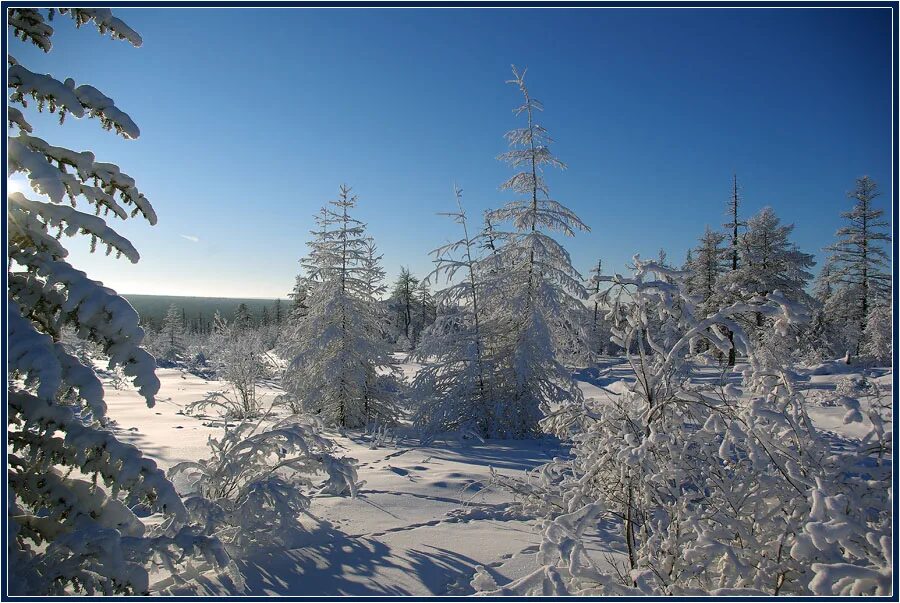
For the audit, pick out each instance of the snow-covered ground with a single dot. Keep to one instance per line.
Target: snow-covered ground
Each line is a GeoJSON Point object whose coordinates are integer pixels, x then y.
{"type": "Point", "coordinates": [424, 518]}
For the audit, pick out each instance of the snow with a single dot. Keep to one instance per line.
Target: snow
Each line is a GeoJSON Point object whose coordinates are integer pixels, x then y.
{"type": "Point", "coordinates": [424, 518]}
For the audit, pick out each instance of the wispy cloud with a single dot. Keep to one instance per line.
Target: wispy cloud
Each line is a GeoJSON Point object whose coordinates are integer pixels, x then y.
{"type": "Point", "coordinates": [191, 238]}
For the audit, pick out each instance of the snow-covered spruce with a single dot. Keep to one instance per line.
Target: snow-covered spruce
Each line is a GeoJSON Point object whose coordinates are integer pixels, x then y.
{"type": "Point", "coordinates": [341, 369]}
{"type": "Point", "coordinates": [716, 490]}
{"type": "Point", "coordinates": [72, 484]}
{"type": "Point", "coordinates": [532, 294]}
{"type": "Point", "coordinates": [259, 478]}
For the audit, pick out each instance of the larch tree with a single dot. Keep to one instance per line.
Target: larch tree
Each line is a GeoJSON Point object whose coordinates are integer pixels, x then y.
{"type": "Point", "coordinates": [403, 297]}
{"type": "Point", "coordinates": [454, 387]}
{"type": "Point", "coordinates": [733, 225]}
{"type": "Point", "coordinates": [858, 260]}
{"type": "Point", "coordinates": [769, 262]}
{"type": "Point", "coordinates": [337, 351]}
{"type": "Point", "coordinates": [533, 292]}
{"type": "Point", "coordinates": [172, 335]}
{"type": "Point", "coordinates": [708, 264]}
{"type": "Point", "coordinates": [72, 484]}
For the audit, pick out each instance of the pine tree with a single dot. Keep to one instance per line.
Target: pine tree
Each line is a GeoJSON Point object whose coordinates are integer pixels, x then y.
{"type": "Point", "coordinates": [72, 484]}
{"type": "Point", "coordinates": [299, 295]}
{"type": "Point", "coordinates": [858, 259]}
{"type": "Point", "coordinates": [877, 335]}
{"type": "Point", "coordinates": [172, 335]}
{"type": "Point", "coordinates": [533, 290]}
{"type": "Point", "coordinates": [337, 351]}
{"type": "Point", "coordinates": [599, 337]}
{"type": "Point", "coordinates": [403, 297]}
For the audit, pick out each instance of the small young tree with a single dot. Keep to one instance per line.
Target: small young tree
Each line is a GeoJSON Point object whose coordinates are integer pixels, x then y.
{"type": "Point", "coordinates": [454, 387]}
{"type": "Point", "coordinates": [337, 351]}
{"type": "Point", "coordinates": [877, 335]}
{"type": "Point", "coordinates": [599, 334]}
{"type": "Point", "coordinates": [171, 338]}
{"type": "Point", "coordinates": [427, 308]}
{"type": "Point", "coordinates": [239, 358]}
{"type": "Point", "coordinates": [72, 485]}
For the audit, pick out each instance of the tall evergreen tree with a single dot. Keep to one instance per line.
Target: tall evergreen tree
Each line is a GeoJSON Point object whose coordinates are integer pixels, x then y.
{"type": "Point", "coordinates": [172, 335]}
{"type": "Point", "coordinates": [858, 259]}
{"type": "Point", "coordinates": [769, 262]}
{"type": "Point", "coordinates": [533, 289]}
{"type": "Point", "coordinates": [403, 297]}
{"type": "Point", "coordinates": [733, 226]}
{"type": "Point", "coordinates": [338, 356]}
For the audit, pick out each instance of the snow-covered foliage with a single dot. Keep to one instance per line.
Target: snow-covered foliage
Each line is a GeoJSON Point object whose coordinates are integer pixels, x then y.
{"type": "Point", "coordinates": [341, 368]}
{"type": "Point", "coordinates": [719, 489]}
{"type": "Point", "coordinates": [857, 279]}
{"type": "Point", "coordinates": [532, 293]}
{"type": "Point", "coordinates": [260, 478]}
{"type": "Point", "coordinates": [455, 386]}
{"type": "Point", "coordinates": [239, 358]}
{"type": "Point", "coordinates": [72, 485]}
{"type": "Point", "coordinates": [877, 335]}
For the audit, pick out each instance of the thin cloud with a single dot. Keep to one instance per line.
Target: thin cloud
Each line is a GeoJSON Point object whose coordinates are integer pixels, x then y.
{"type": "Point", "coordinates": [191, 238]}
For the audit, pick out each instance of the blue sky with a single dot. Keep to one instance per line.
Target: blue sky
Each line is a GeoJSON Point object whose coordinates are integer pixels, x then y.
{"type": "Point", "coordinates": [250, 120]}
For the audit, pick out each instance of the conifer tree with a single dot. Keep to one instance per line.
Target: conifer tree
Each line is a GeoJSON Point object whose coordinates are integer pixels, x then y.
{"type": "Point", "coordinates": [404, 299]}
{"type": "Point", "coordinates": [172, 335]}
{"type": "Point", "coordinates": [533, 291]}
{"type": "Point", "coordinates": [769, 262]}
{"type": "Point", "coordinates": [858, 260]}
{"type": "Point", "coordinates": [454, 386]}
{"type": "Point", "coordinates": [72, 485]}
{"type": "Point", "coordinates": [338, 355]}
{"type": "Point", "coordinates": [733, 225]}
{"type": "Point", "coordinates": [706, 269]}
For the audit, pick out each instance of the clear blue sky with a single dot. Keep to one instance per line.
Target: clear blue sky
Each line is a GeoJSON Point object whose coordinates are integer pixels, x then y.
{"type": "Point", "coordinates": [251, 119]}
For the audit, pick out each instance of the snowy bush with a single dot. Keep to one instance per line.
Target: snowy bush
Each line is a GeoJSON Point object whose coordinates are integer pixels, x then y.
{"type": "Point", "coordinates": [717, 489]}
{"type": "Point", "coordinates": [72, 484]}
{"type": "Point", "coordinates": [259, 479]}
{"type": "Point", "coordinates": [877, 335]}
{"type": "Point", "coordinates": [239, 358]}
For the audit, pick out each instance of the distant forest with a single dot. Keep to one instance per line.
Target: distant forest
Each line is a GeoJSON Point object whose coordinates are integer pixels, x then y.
{"type": "Point", "coordinates": [198, 312]}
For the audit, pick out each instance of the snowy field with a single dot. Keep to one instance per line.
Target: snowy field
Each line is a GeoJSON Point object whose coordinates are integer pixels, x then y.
{"type": "Point", "coordinates": [425, 516]}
